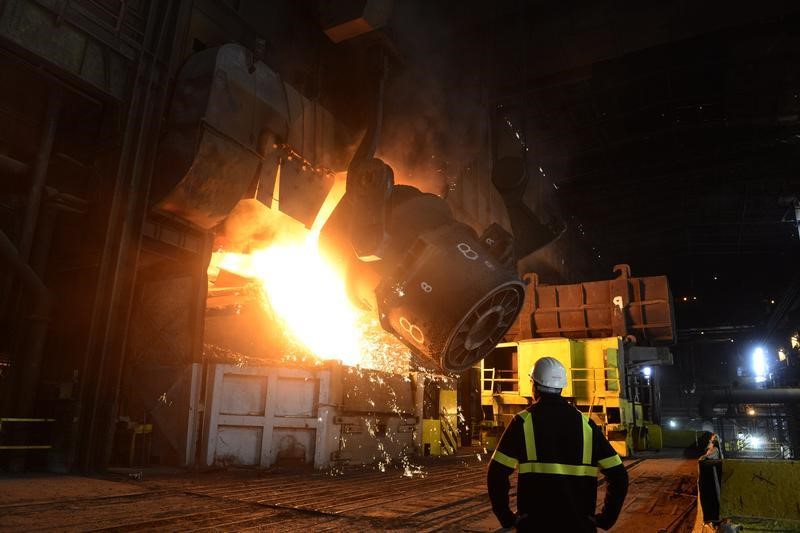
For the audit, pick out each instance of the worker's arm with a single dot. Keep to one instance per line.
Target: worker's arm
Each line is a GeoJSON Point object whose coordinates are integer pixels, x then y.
{"type": "Point", "coordinates": [504, 460]}
{"type": "Point", "coordinates": [616, 478]}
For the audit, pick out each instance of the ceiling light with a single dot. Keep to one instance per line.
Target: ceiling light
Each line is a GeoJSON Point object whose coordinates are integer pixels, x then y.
{"type": "Point", "coordinates": [760, 364]}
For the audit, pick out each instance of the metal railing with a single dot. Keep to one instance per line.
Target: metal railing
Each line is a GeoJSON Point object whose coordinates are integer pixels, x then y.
{"type": "Point", "coordinates": [608, 381]}
{"type": "Point", "coordinates": [24, 422]}
{"type": "Point", "coordinates": [493, 380]}
{"type": "Point", "coordinates": [755, 448]}
{"type": "Point", "coordinates": [594, 379]}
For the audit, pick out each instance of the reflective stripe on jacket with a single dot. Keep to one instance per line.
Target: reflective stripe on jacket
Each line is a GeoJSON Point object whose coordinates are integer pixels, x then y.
{"type": "Point", "coordinates": [557, 453]}
{"type": "Point", "coordinates": [533, 466]}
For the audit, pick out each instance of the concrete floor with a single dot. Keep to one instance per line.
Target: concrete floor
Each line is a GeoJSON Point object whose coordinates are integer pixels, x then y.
{"type": "Point", "coordinates": [662, 495]}
{"type": "Point", "coordinates": [448, 495]}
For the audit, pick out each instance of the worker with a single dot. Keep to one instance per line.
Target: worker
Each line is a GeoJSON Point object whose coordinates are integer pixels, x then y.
{"type": "Point", "coordinates": [709, 479]}
{"type": "Point", "coordinates": [713, 451]}
{"type": "Point", "coordinates": [558, 452]}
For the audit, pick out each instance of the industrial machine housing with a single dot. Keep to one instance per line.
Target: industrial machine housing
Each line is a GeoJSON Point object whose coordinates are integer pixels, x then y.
{"type": "Point", "coordinates": [591, 329]}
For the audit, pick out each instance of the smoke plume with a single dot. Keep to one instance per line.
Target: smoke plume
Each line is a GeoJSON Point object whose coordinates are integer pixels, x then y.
{"type": "Point", "coordinates": [434, 121]}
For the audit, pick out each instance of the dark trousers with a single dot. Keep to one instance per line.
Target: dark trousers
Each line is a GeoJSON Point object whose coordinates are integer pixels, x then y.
{"type": "Point", "coordinates": [708, 484]}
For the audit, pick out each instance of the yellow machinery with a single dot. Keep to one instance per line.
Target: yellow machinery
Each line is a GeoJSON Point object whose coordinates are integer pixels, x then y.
{"type": "Point", "coordinates": [596, 385]}
{"type": "Point", "coordinates": [440, 434]}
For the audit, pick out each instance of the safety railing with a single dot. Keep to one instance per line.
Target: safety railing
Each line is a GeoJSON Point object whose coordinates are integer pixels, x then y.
{"type": "Point", "coordinates": [23, 425]}
{"type": "Point", "coordinates": [755, 447]}
{"type": "Point", "coordinates": [609, 381]}
{"type": "Point", "coordinates": [599, 379]}
{"type": "Point", "coordinates": [496, 377]}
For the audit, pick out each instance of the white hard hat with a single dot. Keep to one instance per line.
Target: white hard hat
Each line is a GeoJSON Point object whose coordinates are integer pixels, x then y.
{"type": "Point", "coordinates": [549, 372]}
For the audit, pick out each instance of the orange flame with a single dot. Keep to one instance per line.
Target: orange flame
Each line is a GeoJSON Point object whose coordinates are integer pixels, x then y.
{"type": "Point", "coordinates": [308, 297]}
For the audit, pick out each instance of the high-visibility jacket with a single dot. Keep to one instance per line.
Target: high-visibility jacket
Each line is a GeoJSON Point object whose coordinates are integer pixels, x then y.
{"type": "Point", "coordinates": [558, 453]}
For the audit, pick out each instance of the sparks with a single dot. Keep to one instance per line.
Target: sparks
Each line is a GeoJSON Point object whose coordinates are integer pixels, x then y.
{"type": "Point", "coordinates": [306, 295]}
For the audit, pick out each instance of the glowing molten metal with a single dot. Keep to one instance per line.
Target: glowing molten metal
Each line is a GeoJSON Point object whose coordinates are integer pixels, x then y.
{"type": "Point", "coordinates": [306, 295]}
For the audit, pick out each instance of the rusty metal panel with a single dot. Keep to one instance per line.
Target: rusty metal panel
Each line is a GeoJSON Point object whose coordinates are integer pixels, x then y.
{"type": "Point", "coordinates": [639, 307]}
{"type": "Point", "coordinates": [232, 121]}
{"type": "Point", "coordinates": [314, 133]}
{"type": "Point", "coordinates": [160, 326]}
{"type": "Point", "coordinates": [292, 446]}
{"type": "Point", "coordinates": [223, 123]}
{"type": "Point", "coordinates": [238, 445]}
{"type": "Point", "coordinates": [296, 397]}
{"type": "Point", "coordinates": [243, 394]}
{"type": "Point", "coordinates": [172, 236]}
{"type": "Point", "coordinates": [261, 416]}
{"type": "Point", "coordinates": [302, 191]}
{"type": "Point", "coordinates": [38, 27]}
{"type": "Point", "coordinates": [215, 181]}
{"type": "Point", "coordinates": [122, 18]}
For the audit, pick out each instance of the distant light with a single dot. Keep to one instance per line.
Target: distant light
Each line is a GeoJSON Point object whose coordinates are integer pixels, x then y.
{"type": "Point", "coordinates": [673, 424]}
{"type": "Point", "coordinates": [751, 411]}
{"type": "Point", "coordinates": [702, 333]}
{"type": "Point", "coordinates": [795, 341]}
{"type": "Point", "coordinates": [756, 441]}
{"type": "Point", "coordinates": [685, 298]}
{"type": "Point", "coordinates": [760, 364]}
{"type": "Point", "coordinates": [715, 278]}
{"type": "Point", "coordinates": [694, 297]}
{"type": "Point", "coordinates": [772, 302]}
{"type": "Point", "coordinates": [647, 371]}
{"type": "Point", "coordinates": [781, 355]}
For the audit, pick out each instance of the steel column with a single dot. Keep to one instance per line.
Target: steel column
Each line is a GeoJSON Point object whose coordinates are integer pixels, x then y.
{"type": "Point", "coordinates": [36, 333]}
{"type": "Point", "coordinates": [40, 172]}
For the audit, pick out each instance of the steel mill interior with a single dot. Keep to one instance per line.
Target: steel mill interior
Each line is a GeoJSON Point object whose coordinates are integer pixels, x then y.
{"type": "Point", "coordinates": [286, 265]}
